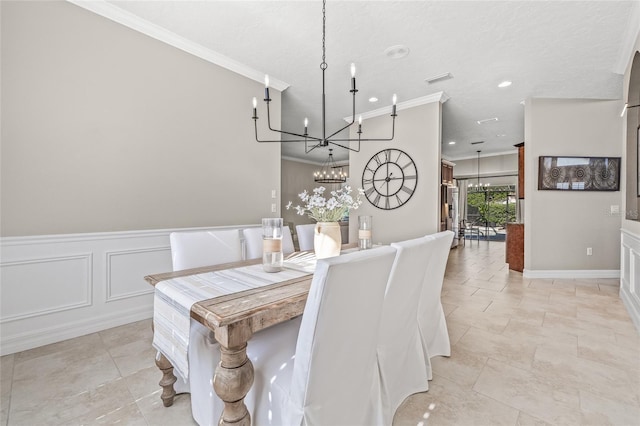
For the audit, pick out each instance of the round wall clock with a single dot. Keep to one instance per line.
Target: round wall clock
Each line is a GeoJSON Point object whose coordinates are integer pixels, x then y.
{"type": "Point", "coordinates": [389, 179]}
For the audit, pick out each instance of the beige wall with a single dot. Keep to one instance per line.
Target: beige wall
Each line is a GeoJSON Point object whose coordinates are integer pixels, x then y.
{"type": "Point", "coordinates": [106, 129]}
{"type": "Point", "coordinates": [629, 242]}
{"type": "Point", "coordinates": [418, 133]}
{"type": "Point", "coordinates": [494, 169]}
{"type": "Point", "coordinates": [560, 225]}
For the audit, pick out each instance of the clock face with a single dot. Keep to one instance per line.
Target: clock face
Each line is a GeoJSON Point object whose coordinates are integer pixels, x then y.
{"type": "Point", "coordinates": [389, 179]}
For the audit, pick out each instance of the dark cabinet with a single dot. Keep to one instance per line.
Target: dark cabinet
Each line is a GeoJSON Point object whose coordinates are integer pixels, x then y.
{"type": "Point", "coordinates": [515, 246]}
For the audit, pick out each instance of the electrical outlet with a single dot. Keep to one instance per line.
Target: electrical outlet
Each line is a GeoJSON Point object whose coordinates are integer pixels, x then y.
{"type": "Point", "coordinates": [589, 251]}
{"type": "Point", "coordinates": [273, 208]}
{"type": "Point", "coordinates": [273, 193]}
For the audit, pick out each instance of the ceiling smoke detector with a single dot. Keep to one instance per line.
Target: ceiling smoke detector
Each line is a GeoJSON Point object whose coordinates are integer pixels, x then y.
{"type": "Point", "coordinates": [396, 52]}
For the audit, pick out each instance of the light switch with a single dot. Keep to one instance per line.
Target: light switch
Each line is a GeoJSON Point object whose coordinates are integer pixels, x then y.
{"type": "Point", "coordinates": [273, 193]}
{"type": "Point", "coordinates": [615, 209]}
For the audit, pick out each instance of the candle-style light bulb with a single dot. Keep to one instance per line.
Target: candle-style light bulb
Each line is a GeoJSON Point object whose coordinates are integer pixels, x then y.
{"type": "Point", "coordinates": [393, 110]}
{"type": "Point", "coordinates": [255, 103]}
{"type": "Point", "coordinates": [266, 88]}
{"type": "Point", "coordinates": [255, 111]}
{"type": "Point", "coordinates": [359, 119]}
{"type": "Point", "coordinates": [306, 124]}
{"type": "Point", "coordinates": [353, 79]}
{"type": "Point", "coordinates": [395, 99]}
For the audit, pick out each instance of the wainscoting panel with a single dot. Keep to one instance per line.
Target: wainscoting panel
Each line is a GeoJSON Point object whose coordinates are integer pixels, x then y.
{"type": "Point", "coordinates": [62, 283]}
{"type": "Point", "coordinates": [56, 287]}
{"type": "Point", "coordinates": [630, 275]}
{"type": "Point", "coordinates": [125, 267]}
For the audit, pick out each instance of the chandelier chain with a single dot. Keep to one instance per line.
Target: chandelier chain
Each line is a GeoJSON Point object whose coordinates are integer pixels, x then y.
{"type": "Point", "coordinates": [324, 65]}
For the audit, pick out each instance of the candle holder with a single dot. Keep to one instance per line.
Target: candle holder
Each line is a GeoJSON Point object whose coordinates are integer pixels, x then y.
{"type": "Point", "coordinates": [272, 244]}
{"type": "Point", "coordinates": [364, 232]}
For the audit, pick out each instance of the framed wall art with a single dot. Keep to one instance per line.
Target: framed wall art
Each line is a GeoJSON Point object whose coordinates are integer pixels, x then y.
{"type": "Point", "coordinates": [579, 173]}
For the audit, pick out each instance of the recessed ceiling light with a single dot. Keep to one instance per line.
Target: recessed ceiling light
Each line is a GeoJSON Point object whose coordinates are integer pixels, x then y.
{"type": "Point", "coordinates": [505, 83]}
{"type": "Point", "coordinates": [486, 120]}
{"type": "Point", "coordinates": [439, 77]}
{"type": "Point", "coordinates": [373, 99]}
{"type": "Point", "coordinates": [452, 143]}
{"type": "Point", "coordinates": [501, 135]}
{"type": "Point", "coordinates": [396, 52]}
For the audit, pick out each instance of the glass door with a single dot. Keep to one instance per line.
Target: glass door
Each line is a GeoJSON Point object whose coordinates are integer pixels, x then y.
{"type": "Point", "coordinates": [489, 208]}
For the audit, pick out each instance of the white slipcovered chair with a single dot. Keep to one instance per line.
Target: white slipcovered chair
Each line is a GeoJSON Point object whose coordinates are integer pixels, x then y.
{"type": "Point", "coordinates": [321, 369]}
{"type": "Point", "coordinates": [193, 250]}
{"type": "Point", "coordinates": [305, 236]}
{"type": "Point", "coordinates": [401, 359]}
{"type": "Point", "coordinates": [431, 320]}
{"type": "Point", "coordinates": [253, 242]}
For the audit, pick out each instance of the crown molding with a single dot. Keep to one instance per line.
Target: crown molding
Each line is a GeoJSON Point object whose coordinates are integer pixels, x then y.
{"type": "Point", "coordinates": [628, 43]}
{"type": "Point", "coordinates": [121, 16]}
{"type": "Point", "coordinates": [441, 97]}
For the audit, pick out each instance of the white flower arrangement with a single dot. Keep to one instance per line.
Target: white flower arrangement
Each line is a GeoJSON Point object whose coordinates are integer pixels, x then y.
{"type": "Point", "coordinates": [332, 210]}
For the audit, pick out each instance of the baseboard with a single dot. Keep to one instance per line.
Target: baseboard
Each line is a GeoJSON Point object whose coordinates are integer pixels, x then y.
{"type": "Point", "coordinates": [60, 332]}
{"type": "Point", "coordinates": [572, 273]}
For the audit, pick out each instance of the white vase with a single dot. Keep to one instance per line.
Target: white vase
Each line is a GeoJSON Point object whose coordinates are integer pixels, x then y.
{"type": "Point", "coordinates": [327, 239]}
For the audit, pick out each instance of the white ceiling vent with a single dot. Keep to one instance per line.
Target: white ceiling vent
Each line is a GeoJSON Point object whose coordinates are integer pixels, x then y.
{"type": "Point", "coordinates": [438, 78]}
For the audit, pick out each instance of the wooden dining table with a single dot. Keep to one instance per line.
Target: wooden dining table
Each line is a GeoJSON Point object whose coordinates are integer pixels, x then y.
{"type": "Point", "coordinates": [234, 318]}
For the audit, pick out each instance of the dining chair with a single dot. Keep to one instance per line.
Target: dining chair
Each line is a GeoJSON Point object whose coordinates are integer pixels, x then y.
{"type": "Point", "coordinates": [305, 236]}
{"type": "Point", "coordinates": [193, 250]}
{"type": "Point", "coordinates": [321, 368]}
{"type": "Point", "coordinates": [401, 359]}
{"type": "Point", "coordinates": [253, 242]}
{"type": "Point", "coordinates": [431, 320]}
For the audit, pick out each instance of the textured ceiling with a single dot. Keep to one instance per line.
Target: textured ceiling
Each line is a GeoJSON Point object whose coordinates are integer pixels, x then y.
{"type": "Point", "coordinates": [560, 49]}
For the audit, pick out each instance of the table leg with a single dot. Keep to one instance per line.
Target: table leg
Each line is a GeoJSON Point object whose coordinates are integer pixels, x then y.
{"type": "Point", "coordinates": [168, 378]}
{"type": "Point", "coordinates": [232, 381]}
{"type": "Point", "coordinates": [167, 381]}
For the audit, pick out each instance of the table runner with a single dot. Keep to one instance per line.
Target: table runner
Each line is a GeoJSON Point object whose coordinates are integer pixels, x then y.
{"type": "Point", "coordinates": [173, 299]}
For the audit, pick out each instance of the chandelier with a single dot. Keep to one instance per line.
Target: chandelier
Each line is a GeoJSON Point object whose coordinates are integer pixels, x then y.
{"type": "Point", "coordinates": [479, 185]}
{"type": "Point", "coordinates": [313, 142]}
{"type": "Point", "coordinates": [328, 174]}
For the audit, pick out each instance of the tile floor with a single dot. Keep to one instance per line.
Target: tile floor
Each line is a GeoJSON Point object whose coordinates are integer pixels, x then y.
{"type": "Point", "coordinates": [524, 352]}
